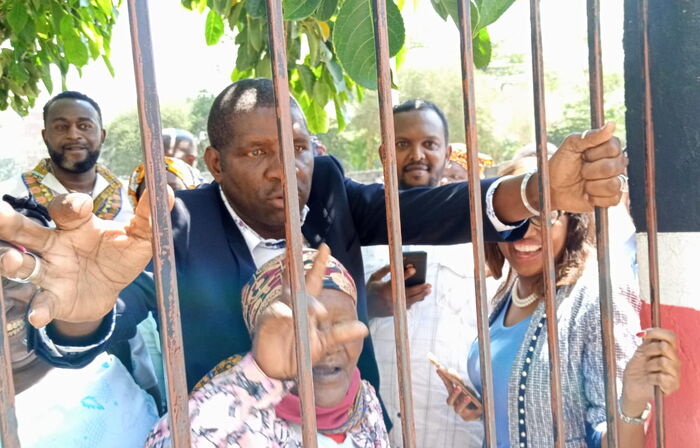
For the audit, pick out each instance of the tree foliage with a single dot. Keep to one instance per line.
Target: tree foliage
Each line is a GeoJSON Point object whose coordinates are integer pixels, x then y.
{"type": "Point", "coordinates": [42, 33]}
{"type": "Point", "coordinates": [330, 45]}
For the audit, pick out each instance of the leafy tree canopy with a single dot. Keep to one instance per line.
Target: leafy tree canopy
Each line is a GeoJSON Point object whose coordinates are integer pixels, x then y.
{"type": "Point", "coordinates": [42, 33]}
{"type": "Point", "coordinates": [330, 44]}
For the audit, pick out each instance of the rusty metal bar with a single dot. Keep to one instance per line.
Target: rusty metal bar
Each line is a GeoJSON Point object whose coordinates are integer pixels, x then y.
{"type": "Point", "coordinates": [278, 57]}
{"type": "Point", "coordinates": [650, 193]}
{"type": "Point", "coordinates": [8, 419]}
{"type": "Point", "coordinates": [393, 221]}
{"type": "Point", "coordinates": [545, 208]}
{"type": "Point", "coordinates": [163, 251]}
{"type": "Point", "coordinates": [476, 222]}
{"type": "Point", "coordinates": [607, 313]}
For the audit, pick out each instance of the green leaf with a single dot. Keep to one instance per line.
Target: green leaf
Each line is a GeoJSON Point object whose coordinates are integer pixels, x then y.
{"type": "Point", "coordinates": [18, 73]}
{"type": "Point", "coordinates": [337, 74]}
{"type": "Point", "coordinates": [491, 10]}
{"type": "Point", "coordinates": [108, 63]}
{"type": "Point", "coordinates": [46, 77]}
{"type": "Point", "coordinates": [105, 6]}
{"type": "Point", "coordinates": [316, 116]}
{"type": "Point", "coordinates": [213, 27]}
{"type": "Point", "coordinates": [256, 34]}
{"type": "Point", "coordinates": [450, 8]}
{"type": "Point", "coordinates": [353, 39]}
{"type": "Point", "coordinates": [237, 75]}
{"type": "Point", "coordinates": [66, 26]}
{"type": "Point", "coordinates": [440, 9]}
{"type": "Point", "coordinates": [299, 9]}
{"type": "Point", "coordinates": [76, 51]}
{"type": "Point", "coordinates": [256, 8]}
{"type": "Point", "coordinates": [18, 16]}
{"type": "Point", "coordinates": [482, 48]}
{"type": "Point", "coordinates": [221, 5]}
{"type": "Point", "coordinates": [326, 9]}
{"type": "Point", "coordinates": [307, 78]}
{"type": "Point", "coordinates": [263, 69]}
{"type": "Point", "coordinates": [320, 93]}
{"type": "Point", "coordinates": [339, 114]}
{"type": "Point", "coordinates": [245, 60]}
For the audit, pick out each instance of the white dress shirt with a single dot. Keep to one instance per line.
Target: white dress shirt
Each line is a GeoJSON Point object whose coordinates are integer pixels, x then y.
{"type": "Point", "coordinates": [17, 188]}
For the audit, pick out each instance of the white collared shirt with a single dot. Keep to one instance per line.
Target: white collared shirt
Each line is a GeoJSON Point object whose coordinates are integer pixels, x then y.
{"type": "Point", "coordinates": [17, 188]}
{"type": "Point", "coordinates": [259, 247]}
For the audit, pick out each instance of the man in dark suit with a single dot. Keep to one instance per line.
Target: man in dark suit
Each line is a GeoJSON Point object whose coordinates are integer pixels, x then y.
{"type": "Point", "coordinates": [223, 231]}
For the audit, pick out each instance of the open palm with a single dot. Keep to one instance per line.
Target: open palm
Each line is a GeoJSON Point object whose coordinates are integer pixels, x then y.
{"type": "Point", "coordinates": [85, 261]}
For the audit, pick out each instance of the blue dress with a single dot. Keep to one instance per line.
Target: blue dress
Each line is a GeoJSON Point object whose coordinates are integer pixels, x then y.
{"type": "Point", "coordinates": [505, 343]}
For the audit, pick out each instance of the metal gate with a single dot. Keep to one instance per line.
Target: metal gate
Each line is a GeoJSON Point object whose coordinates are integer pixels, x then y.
{"type": "Point", "coordinates": [164, 258]}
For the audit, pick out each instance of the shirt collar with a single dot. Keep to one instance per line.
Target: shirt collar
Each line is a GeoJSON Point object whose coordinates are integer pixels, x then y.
{"type": "Point", "coordinates": [251, 237]}
{"type": "Point", "coordinates": [54, 184]}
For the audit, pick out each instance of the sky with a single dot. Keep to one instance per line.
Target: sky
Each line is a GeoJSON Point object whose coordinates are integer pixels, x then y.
{"type": "Point", "coordinates": [184, 64]}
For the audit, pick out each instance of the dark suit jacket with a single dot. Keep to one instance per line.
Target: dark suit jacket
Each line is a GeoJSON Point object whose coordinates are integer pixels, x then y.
{"type": "Point", "coordinates": [213, 261]}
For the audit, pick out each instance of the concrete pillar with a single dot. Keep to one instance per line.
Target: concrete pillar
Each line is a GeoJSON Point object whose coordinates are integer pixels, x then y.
{"type": "Point", "coordinates": [674, 36]}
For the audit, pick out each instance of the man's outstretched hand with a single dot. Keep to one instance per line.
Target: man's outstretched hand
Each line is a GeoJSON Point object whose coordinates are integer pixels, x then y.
{"type": "Point", "coordinates": [85, 261]}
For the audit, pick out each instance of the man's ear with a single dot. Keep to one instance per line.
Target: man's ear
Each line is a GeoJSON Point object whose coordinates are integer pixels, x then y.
{"type": "Point", "coordinates": [212, 158]}
{"type": "Point", "coordinates": [43, 136]}
{"type": "Point", "coordinates": [448, 154]}
{"type": "Point", "coordinates": [380, 151]}
{"type": "Point", "coordinates": [104, 135]}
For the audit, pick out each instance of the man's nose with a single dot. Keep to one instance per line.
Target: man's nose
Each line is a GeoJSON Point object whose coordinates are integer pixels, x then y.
{"type": "Point", "coordinates": [415, 153]}
{"type": "Point", "coordinates": [275, 169]}
{"type": "Point", "coordinates": [73, 132]}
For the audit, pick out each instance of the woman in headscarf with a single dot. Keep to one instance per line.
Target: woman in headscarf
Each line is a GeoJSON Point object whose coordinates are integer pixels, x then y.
{"type": "Point", "coordinates": [67, 408]}
{"type": "Point", "coordinates": [519, 354]}
{"type": "Point", "coordinates": [252, 401]}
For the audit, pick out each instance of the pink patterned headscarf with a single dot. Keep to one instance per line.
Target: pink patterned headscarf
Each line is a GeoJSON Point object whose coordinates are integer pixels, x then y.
{"type": "Point", "coordinates": [266, 285]}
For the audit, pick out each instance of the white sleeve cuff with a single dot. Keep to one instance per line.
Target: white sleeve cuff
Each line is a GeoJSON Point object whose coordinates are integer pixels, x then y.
{"type": "Point", "coordinates": [491, 213]}
{"type": "Point", "coordinates": [61, 350]}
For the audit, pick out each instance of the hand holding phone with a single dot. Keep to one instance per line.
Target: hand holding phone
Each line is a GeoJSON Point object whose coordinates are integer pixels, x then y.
{"type": "Point", "coordinates": [419, 261]}
{"type": "Point", "coordinates": [457, 388]}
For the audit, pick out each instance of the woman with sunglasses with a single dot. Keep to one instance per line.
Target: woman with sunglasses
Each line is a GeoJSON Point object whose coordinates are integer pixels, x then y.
{"type": "Point", "coordinates": [519, 351]}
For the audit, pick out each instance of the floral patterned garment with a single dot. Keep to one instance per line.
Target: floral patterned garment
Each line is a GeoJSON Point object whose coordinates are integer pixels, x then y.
{"type": "Point", "coordinates": [237, 409]}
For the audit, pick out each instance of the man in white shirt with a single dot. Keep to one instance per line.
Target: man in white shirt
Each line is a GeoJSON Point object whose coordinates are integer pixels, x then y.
{"type": "Point", "coordinates": [73, 136]}
{"type": "Point", "coordinates": [442, 313]}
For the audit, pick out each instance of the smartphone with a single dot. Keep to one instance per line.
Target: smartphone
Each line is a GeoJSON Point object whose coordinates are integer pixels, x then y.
{"type": "Point", "coordinates": [419, 261]}
{"type": "Point", "coordinates": [455, 378]}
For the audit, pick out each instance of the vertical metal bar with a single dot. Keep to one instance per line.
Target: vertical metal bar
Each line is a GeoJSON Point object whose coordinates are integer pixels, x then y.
{"type": "Point", "coordinates": [545, 207]}
{"type": "Point", "coordinates": [163, 252]}
{"type": "Point", "coordinates": [393, 221]}
{"type": "Point", "coordinates": [8, 419]}
{"type": "Point", "coordinates": [650, 192]}
{"type": "Point", "coordinates": [595, 71]}
{"type": "Point", "coordinates": [476, 221]}
{"type": "Point", "coordinates": [292, 226]}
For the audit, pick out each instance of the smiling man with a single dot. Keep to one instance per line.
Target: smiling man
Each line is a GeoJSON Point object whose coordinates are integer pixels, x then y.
{"type": "Point", "coordinates": [73, 135]}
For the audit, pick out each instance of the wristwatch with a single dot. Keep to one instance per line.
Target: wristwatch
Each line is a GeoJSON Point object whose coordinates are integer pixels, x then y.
{"type": "Point", "coordinates": [634, 420]}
